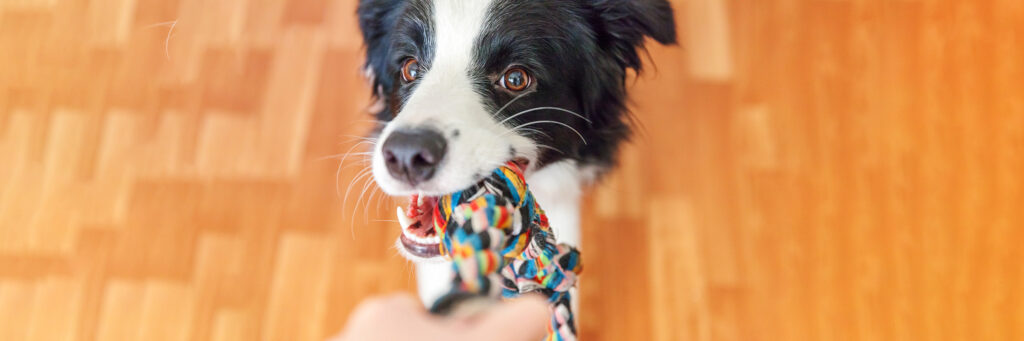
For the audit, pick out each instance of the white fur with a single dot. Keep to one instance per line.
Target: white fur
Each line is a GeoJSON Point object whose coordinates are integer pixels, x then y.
{"type": "Point", "coordinates": [433, 279]}
{"type": "Point", "coordinates": [558, 188]}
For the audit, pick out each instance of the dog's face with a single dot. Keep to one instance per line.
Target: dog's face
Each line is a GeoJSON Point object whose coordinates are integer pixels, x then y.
{"type": "Point", "coordinates": [467, 85]}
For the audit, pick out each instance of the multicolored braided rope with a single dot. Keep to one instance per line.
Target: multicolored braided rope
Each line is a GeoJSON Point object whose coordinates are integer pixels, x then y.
{"type": "Point", "coordinates": [501, 245]}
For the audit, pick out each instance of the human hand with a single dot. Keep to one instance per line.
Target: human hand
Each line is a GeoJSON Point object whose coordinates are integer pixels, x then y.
{"type": "Point", "coordinates": [402, 317]}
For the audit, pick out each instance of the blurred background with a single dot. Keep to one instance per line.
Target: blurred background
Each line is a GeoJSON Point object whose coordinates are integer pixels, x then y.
{"type": "Point", "coordinates": [805, 170]}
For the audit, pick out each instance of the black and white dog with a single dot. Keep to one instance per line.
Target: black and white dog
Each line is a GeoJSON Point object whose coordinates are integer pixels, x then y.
{"type": "Point", "coordinates": [467, 85]}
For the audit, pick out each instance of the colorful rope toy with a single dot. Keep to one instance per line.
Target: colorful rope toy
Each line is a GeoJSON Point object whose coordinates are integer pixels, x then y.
{"type": "Point", "coordinates": [501, 245]}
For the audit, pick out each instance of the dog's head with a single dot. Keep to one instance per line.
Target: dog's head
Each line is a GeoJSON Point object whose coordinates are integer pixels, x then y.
{"type": "Point", "coordinates": [467, 85]}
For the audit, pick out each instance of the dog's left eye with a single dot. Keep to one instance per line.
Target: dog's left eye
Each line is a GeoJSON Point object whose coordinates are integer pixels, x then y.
{"type": "Point", "coordinates": [410, 70]}
{"type": "Point", "coordinates": [516, 79]}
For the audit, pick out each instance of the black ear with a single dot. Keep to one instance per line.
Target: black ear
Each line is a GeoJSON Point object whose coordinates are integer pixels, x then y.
{"type": "Point", "coordinates": [377, 19]}
{"type": "Point", "coordinates": [622, 26]}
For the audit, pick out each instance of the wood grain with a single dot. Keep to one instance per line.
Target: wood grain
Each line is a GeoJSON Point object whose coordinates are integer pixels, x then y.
{"type": "Point", "coordinates": [804, 170]}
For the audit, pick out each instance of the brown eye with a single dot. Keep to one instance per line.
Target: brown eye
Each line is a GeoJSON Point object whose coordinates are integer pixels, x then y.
{"type": "Point", "coordinates": [516, 79]}
{"type": "Point", "coordinates": [410, 70]}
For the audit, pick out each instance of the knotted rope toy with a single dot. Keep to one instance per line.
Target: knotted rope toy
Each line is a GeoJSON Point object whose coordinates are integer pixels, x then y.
{"type": "Point", "coordinates": [501, 245]}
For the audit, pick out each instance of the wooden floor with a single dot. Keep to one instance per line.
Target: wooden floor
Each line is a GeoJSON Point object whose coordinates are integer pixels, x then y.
{"type": "Point", "coordinates": [806, 170]}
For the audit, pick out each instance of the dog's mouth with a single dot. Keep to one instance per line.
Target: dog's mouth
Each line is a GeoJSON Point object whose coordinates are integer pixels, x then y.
{"type": "Point", "coordinates": [419, 236]}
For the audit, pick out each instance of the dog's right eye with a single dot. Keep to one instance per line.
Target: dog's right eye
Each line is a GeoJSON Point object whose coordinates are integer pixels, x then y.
{"type": "Point", "coordinates": [516, 79]}
{"type": "Point", "coordinates": [410, 70]}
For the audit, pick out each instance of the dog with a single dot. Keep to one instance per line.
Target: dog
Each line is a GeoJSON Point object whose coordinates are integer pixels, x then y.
{"type": "Point", "coordinates": [464, 86]}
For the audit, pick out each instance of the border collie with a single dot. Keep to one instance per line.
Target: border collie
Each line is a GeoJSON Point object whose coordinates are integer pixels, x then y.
{"type": "Point", "coordinates": [466, 85]}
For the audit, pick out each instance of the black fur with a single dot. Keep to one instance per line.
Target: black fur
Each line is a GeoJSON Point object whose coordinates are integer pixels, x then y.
{"type": "Point", "coordinates": [577, 50]}
{"type": "Point", "coordinates": [377, 22]}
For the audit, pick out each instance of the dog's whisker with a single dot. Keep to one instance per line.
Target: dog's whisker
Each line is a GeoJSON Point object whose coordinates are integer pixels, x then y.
{"type": "Point", "coordinates": [366, 162]}
{"type": "Point", "coordinates": [167, 40]}
{"type": "Point", "coordinates": [550, 148]}
{"type": "Point", "coordinates": [165, 23]}
{"type": "Point", "coordinates": [366, 209]}
{"type": "Point", "coordinates": [535, 131]}
{"type": "Point", "coordinates": [341, 162]}
{"type": "Point", "coordinates": [339, 156]}
{"type": "Point", "coordinates": [552, 122]}
{"type": "Point", "coordinates": [362, 140]}
{"type": "Point", "coordinates": [366, 185]}
{"type": "Point", "coordinates": [389, 200]}
{"type": "Point", "coordinates": [509, 103]}
{"type": "Point", "coordinates": [357, 137]}
{"type": "Point", "coordinates": [381, 199]}
{"type": "Point", "coordinates": [352, 228]}
{"type": "Point", "coordinates": [342, 166]}
{"type": "Point", "coordinates": [342, 155]}
{"type": "Point", "coordinates": [373, 121]}
{"type": "Point", "coordinates": [545, 108]}
{"type": "Point", "coordinates": [376, 192]}
{"type": "Point", "coordinates": [347, 152]}
{"type": "Point", "coordinates": [366, 180]}
{"type": "Point", "coordinates": [365, 172]}
{"type": "Point", "coordinates": [337, 180]}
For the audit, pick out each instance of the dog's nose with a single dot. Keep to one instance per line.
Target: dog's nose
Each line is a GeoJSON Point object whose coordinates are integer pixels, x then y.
{"type": "Point", "coordinates": [413, 155]}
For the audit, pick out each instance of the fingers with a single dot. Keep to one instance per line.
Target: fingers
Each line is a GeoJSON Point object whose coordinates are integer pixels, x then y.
{"type": "Point", "coordinates": [405, 301]}
{"type": "Point", "coordinates": [384, 306]}
{"type": "Point", "coordinates": [369, 317]}
{"type": "Point", "coordinates": [526, 318]}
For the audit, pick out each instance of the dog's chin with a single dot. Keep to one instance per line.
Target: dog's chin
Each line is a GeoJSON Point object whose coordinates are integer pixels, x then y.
{"type": "Point", "coordinates": [416, 258]}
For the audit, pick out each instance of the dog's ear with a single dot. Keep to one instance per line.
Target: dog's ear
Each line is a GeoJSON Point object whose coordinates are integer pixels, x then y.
{"type": "Point", "coordinates": [622, 26]}
{"type": "Point", "coordinates": [377, 18]}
